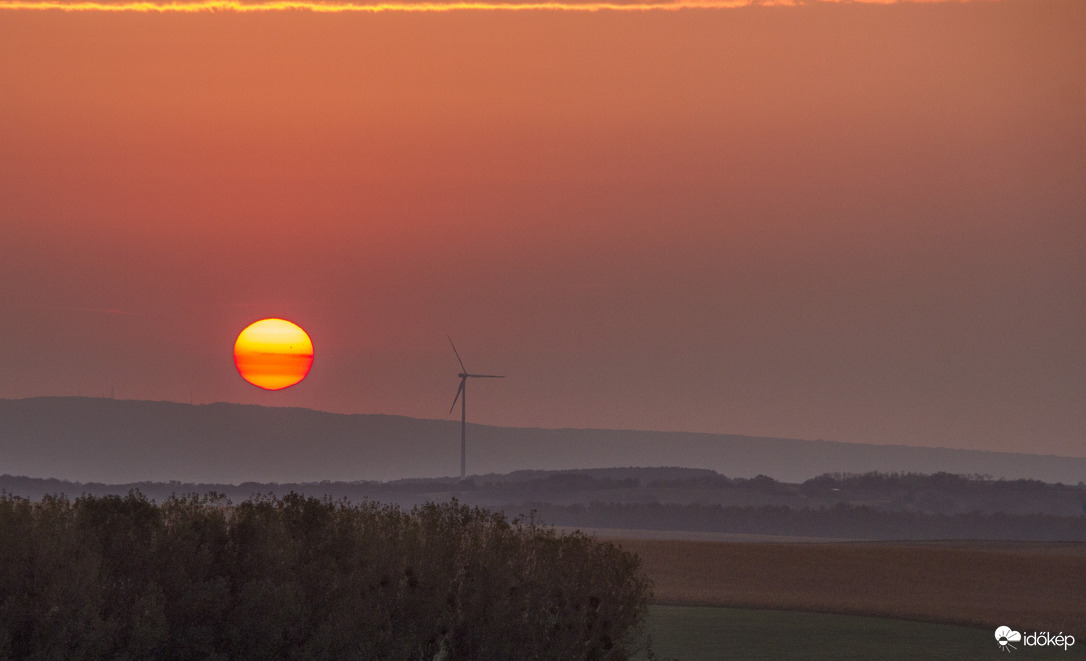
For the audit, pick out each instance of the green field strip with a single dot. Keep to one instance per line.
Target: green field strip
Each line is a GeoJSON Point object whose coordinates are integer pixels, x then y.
{"type": "Point", "coordinates": [707, 633]}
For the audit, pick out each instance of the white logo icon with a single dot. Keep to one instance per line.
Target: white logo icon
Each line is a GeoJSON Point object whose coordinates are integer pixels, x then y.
{"type": "Point", "coordinates": [1005, 636]}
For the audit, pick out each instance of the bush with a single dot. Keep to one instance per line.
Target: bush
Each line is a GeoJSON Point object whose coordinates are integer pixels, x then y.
{"type": "Point", "coordinates": [302, 578]}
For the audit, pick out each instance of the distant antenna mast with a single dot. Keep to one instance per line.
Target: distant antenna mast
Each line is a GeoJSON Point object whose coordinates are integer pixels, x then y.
{"type": "Point", "coordinates": [462, 395]}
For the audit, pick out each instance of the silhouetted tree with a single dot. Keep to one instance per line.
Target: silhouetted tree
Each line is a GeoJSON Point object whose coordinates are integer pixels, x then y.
{"type": "Point", "coordinates": [300, 578]}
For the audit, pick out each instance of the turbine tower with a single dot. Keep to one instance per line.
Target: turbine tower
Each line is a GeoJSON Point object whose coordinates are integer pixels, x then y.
{"type": "Point", "coordinates": [462, 395]}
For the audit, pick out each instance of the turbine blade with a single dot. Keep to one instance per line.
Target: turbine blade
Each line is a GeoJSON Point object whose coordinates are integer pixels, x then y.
{"type": "Point", "coordinates": [457, 355]}
{"type": "Point", "coordinates": [458, 391]}
{"type": "Point", "coordinates": [486, 376]}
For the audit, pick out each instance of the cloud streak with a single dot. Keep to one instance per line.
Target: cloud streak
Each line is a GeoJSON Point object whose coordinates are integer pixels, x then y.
{"type": "Point", "coordinates": [233, 6]}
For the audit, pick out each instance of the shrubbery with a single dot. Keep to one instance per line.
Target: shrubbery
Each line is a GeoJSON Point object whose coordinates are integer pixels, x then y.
{"type": "Point", "coordinates": [301, 578]}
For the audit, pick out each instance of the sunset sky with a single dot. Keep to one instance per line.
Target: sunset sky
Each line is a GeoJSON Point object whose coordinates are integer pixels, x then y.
{"type": "Point", "coordinates": [849, 221]}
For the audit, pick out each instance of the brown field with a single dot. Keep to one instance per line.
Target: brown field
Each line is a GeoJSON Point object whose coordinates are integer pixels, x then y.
{"type": "Point", "coordinates": [1036, 586]}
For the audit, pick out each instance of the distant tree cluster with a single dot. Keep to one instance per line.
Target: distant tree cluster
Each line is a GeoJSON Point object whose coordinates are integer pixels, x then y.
{"type": "Point", "coordinates": [841, 520]}
{"type": "Point", "coordinates": [947, 482]}
{"type": "Point", "coordinates": [938, 493]}
{"type": "Point", "coordinates": [301, 578]}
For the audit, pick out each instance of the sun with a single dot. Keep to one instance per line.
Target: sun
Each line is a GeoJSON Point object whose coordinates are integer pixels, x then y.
{"type": "Point", "coordinates": [273, 354]}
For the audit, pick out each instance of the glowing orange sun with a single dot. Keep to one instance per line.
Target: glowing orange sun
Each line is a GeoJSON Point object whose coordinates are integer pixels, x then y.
{"type": "Point", "coordinates": [273, 354]}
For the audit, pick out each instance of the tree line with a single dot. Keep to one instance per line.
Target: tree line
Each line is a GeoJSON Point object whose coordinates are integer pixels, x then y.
{"type": "Point", "coordinates": [938, 493]}
{"type": "Point", "coordinates": [197, 577]}
{"type": "Point", "coordinates": [841, 521]}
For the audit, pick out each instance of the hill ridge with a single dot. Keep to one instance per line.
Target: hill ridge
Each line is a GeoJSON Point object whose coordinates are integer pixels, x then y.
{"type": "Point", "coordinates": [119, 441]}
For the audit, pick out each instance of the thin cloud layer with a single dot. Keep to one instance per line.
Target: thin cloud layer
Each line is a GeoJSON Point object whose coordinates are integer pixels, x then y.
{"type": "Point", "coordinates": [377, 7]}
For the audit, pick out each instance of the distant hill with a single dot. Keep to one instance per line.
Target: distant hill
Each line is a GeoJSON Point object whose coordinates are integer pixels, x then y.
{"type": "Point", "coordinates": [123, 441]}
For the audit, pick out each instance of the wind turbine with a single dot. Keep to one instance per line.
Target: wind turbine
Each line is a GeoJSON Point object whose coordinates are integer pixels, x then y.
{"type": "Point", "coordinates": [462, 395]}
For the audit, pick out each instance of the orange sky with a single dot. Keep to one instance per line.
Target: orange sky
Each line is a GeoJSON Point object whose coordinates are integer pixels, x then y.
{"type": "Point", "coordinates": [850, 222]}
{"type": "Point", "coordinates": [418, 6]}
